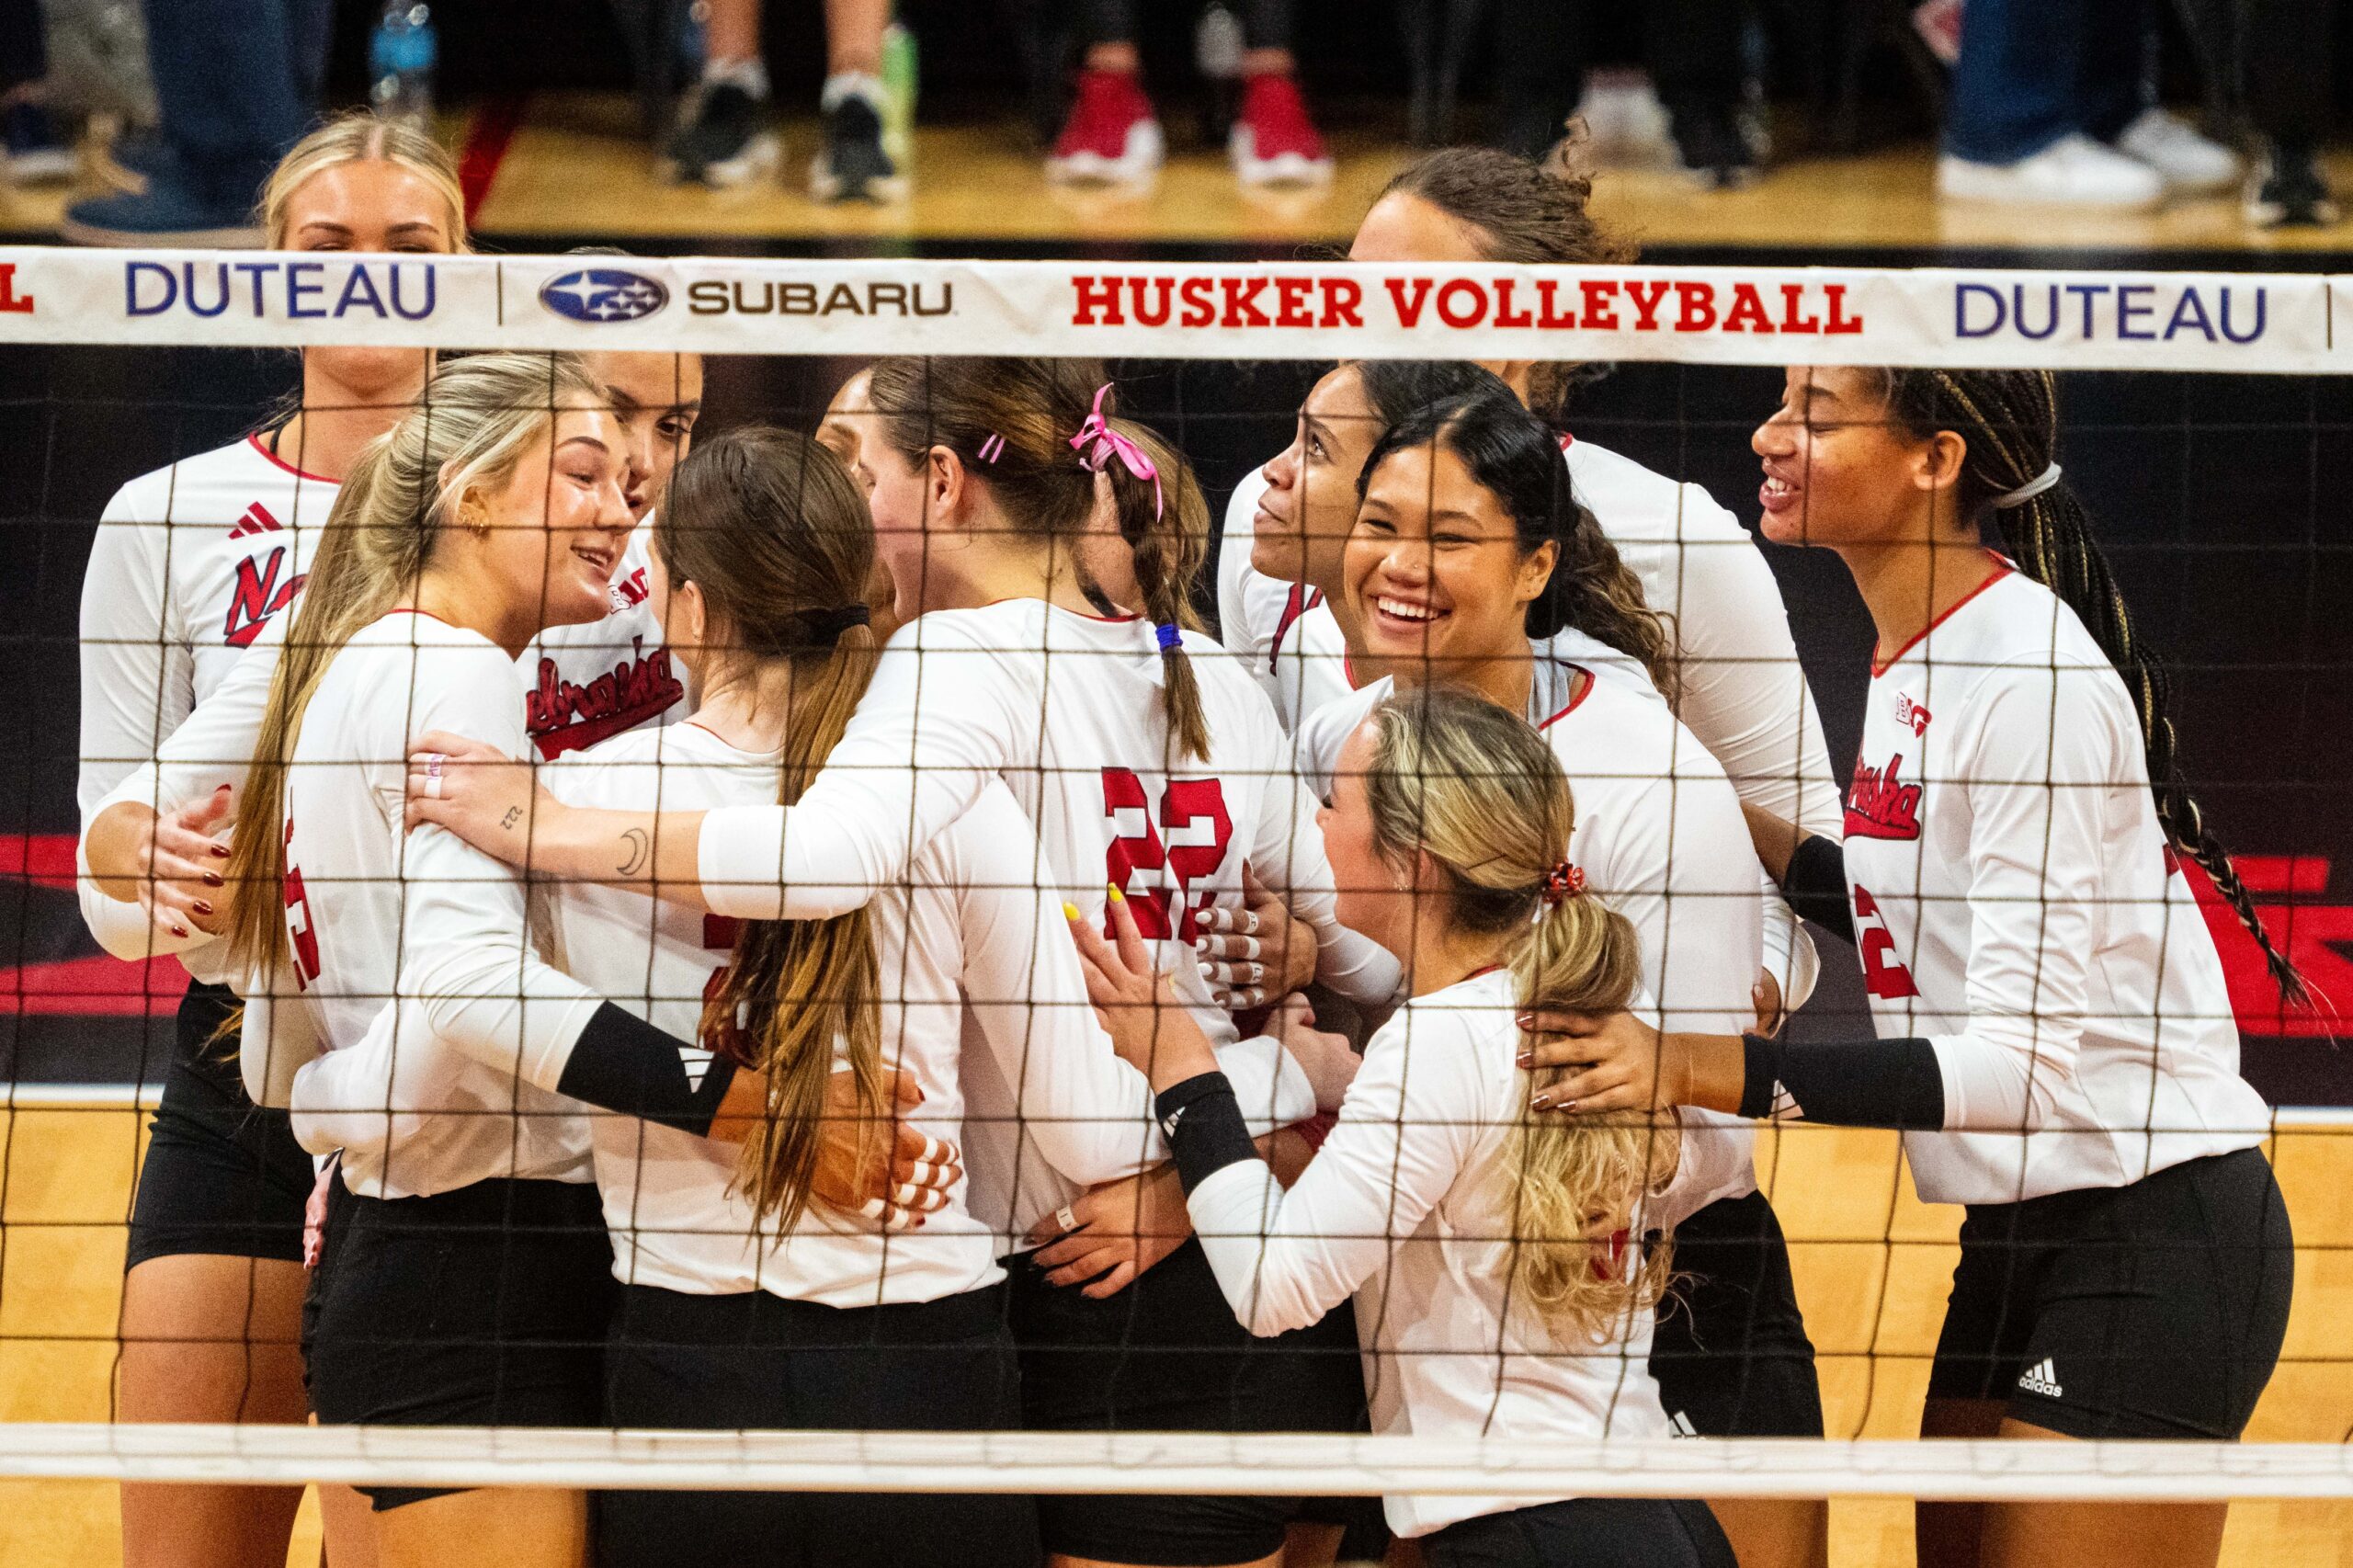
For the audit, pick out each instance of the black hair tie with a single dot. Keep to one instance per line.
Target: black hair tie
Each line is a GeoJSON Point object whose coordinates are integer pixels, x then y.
{"type": "Point", "coordinates": [823, 628]}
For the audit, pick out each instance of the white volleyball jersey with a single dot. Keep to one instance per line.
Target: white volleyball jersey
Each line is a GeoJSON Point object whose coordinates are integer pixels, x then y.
{"type": "Point", "coordinates": [591, 682]}
{"type": "Point", "coordinates": [1409, 1206]}
{"type": "Point", "coordinates": [416, 929]}
{"type": "Point", "coordinates": [1744, 692]}
{"type": "Point", "coordinates": [2016, 902]}
{"type": "Point", "coordinates": [1067, 710]}
{"type": "Point", "coordinates": [967, 930]}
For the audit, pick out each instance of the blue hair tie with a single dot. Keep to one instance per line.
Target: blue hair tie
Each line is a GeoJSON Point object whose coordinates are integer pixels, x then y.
{"type": "Point", "coordinates": [1171, 636]}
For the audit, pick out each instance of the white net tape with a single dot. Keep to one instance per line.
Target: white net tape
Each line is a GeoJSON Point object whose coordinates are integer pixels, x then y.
{"type": "Point", "coordinates": [1181, 1464]}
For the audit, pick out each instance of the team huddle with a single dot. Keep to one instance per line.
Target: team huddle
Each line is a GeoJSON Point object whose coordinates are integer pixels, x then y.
{"type": "Point", "coordinates": [793, 930]}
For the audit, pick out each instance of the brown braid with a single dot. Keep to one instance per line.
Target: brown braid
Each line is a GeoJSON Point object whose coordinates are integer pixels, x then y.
{"type": "Point", "coordinates": [2010, 421]}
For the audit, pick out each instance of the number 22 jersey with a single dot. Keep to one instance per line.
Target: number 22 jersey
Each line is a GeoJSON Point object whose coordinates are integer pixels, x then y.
{"type": "Point", "coordinates": [2015, 903]}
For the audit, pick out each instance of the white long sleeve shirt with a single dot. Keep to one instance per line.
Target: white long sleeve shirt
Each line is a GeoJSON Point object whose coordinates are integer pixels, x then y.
{"type": "Point", "coordinates": [189, 564]}
{"type": "Point", "coordinates": [2016, 902]}
{"type": "Point", "coordinates": [1066, 710]}
{"type": "Point", "coordinates": [977, 973]}
{"type": "Point", "coordinates": [1409, 1208]}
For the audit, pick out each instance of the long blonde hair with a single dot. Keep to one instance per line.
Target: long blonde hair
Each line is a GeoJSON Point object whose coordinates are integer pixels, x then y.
{"type": "Point", "coordinates": [768, 525]}
{"type": "Point", "coordinates": [477, 417]}
{"type": "Point", "coordinates": [362, 137]}
{"type": "Point", "coordinates": [1458, 780]}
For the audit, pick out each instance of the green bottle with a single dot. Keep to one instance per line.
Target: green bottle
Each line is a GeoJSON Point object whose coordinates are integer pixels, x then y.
{"type": "Point", "coordinates": [898, 92]}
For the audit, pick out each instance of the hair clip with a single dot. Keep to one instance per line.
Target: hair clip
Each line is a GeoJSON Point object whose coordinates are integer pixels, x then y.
{"type": "Point", "coordinates": [992, 448]}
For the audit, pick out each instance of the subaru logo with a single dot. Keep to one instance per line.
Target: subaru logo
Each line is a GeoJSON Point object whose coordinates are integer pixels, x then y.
{"type": "Point", "coordinates": [602, 294]}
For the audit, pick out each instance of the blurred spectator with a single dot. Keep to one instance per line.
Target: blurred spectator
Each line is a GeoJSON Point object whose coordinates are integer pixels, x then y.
{"type": "Point", "coordinates": [2287, 57]}
{"type": "Point", "coordinates": [2053, 104]}
{"type": "Point", "coordinates": [725, 139]}
{"type": "Point", "coordinates": [34, 153]}
{"type": "Point", "coordinates": [1693, 112]}
{"type": "Point", "coordinates": [237, 82]}
{"type": "Point", "coordinates": [1113, 135]}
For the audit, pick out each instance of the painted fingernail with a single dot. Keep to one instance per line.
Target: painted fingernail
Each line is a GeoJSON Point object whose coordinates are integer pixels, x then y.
{"type": "Point", "coordinates": [1070, 911]}
{"type": "Point", "coordinates": [1542, 1102]}
{"type": "Point", "coordinates": [179, 930]}
{"type": "Point", "coordinates": [1526, 1020]}
{"type": "Point", "coordinates": [1208, 971]}
{"type": "Point", "coordinates": [212, 880]}
{"type": "Point", "coordinates": [1117, 897]}
{"type": "Point", "coordinates": [202, 907]}
{"type": "Point", "coordinates": [1526, 1059]}
{"type": "Point", "coordinates": [219, 853]}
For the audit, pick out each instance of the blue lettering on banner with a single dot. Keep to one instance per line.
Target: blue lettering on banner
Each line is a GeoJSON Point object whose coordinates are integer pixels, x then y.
{"type": "Point", "coordinates": [597, 294]}
{"type": "Point", "coordinates": [294, 290]}
{"type": "Point", "coordinates": [2126, 313]}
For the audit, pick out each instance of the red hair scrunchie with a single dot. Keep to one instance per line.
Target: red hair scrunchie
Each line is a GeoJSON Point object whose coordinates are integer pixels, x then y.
{"type": "Point", "coordinates": [1563, 881]}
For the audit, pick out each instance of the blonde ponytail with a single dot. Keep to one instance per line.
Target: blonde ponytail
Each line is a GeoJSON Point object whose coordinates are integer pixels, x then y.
{"type": "Point", "coordinates": [1457, 779]}
{"type": "Point", "coordinates": [477, 417]}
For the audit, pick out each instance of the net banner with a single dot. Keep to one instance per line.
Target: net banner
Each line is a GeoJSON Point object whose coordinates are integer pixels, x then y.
{"type": "Point", "coordinates": [1733, 315]}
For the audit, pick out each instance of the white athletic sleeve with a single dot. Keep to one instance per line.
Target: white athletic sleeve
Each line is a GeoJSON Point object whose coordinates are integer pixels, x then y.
{"type": "Point", "coordinates": [214, 745]}
{"type": "Point", "coordinates": [932, 730]}
{"type": "Point", "coordinates": [1409, 1125]}
{"type": "Point", "coordinates": [469, 978]}
{"type": "Point", "coordinates": [2041, 756]}
{"type": "Point", "coordinates": [1686, 878]}
{"type": "Point", "coordinates": [1287, 855]}
{"type": "Point", "coordinates": [1718, 1160]}
{"type": "Point", "coordinates": [1234, 574]}
{"type": "Point", "coordinates": [138, 672]}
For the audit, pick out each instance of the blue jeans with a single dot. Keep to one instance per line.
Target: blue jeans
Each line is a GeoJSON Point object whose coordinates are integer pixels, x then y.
{"type": "Point", "coordinates": [238, 84]}
{"type": "Point", "coordinates": [2034, 71]}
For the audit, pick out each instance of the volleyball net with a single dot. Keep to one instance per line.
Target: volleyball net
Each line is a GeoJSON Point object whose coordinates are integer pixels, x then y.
{"type": "Point", "coordinates": [2205, 423]}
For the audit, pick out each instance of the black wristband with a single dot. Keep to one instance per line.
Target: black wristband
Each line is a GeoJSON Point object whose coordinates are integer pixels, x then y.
{"type": "Point", "coordinates": [1205, 1128]}
{"type": "Point", "coordinates": [1815, 885]}
{"type": "Point", "coordinates": [621, 1062]}
{"type": "Point", "coordinates": [1865, 1083]}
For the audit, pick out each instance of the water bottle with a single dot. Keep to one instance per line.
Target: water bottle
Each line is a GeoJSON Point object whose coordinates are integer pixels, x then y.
{"type": "Point", "coordinates": [899, 74]}
{"type": "Point", "coordinates": [1218, 44]}
{"type": "Point", "coordinates": [400, 61]}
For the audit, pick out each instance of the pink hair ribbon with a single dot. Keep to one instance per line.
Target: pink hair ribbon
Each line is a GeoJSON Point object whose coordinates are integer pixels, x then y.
{"type": "Point", "coordinates": [1096, 444]}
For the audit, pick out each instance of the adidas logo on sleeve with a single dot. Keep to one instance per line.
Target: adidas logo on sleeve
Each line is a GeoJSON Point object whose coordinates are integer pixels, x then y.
{"type": "Point", "coordinates": [2041, 1379]}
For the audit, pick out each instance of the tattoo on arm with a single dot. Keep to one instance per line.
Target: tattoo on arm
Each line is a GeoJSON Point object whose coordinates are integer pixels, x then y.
{"type": "Point", "coordinates": [513, 814]}
{"type": "Point", "coordinates": [635, 861]}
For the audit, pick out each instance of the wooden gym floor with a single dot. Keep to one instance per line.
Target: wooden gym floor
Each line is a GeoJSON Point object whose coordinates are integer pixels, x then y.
{"type": "Point", "coordinates": [1872, 1264]}
{"type": "Point", "coordinates": [573, 166]}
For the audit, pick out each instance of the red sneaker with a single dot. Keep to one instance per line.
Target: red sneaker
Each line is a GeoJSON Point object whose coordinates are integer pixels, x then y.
{"type": "Point", "coordinates": [1112, 135]}
{"type": "Point", "coordinates": [1274, 142]}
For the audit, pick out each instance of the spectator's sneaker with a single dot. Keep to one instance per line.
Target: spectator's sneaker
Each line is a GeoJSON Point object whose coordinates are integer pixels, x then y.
{"type": "Point", "coordinates": [132, 159]}
{"type": "Point", "coordinates": [36, 154]}
{"type": "Point", "coordinates": [2286, 189]}
{"type": "Point", "coordinates": [723, 141]}
{"type": "Point", "coordinates": [2186, 161]}
{"type": "Point", "coordinates": [171, 211]}
{"type": "Point", "coordinates": [1274, 142]}
{"type": "Point", "coordinates": [853, 167]}
{"type": "Point", "coordinates": [1112, 136]}
{"type": "Point", "coordinates": [1625, 124]}
{"type": "Point", "coordinates": [2074, 171]}
{"type": "Point", "coordinates": [1714, 149]}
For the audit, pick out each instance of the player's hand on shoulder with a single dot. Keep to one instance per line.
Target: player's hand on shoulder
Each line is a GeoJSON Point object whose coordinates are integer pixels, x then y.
{"type": "Point", "coordinates": [478, 792]}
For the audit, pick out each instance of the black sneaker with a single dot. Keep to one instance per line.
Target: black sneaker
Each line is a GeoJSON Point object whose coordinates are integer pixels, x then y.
{"type": "Point", "coordinates": [853, 167]}
{"type": "Point", "coordinates": [2286, 190]}
{"type": "Point", "coordinates": [723, 141]}
{"type": "Point", "coordinates": [1713, 148]}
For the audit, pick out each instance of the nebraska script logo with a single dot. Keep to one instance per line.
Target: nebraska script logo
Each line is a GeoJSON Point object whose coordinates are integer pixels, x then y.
{"type": "Point", "coordinates": [565, 717]}
{"type": "Point", "coordinates": [1880, 805]}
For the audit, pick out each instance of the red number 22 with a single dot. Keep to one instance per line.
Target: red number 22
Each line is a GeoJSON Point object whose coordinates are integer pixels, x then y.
{"type": "Point", "coordinates": [1194, 806]}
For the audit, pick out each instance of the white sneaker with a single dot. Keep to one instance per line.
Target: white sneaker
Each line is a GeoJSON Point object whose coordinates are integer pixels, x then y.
{"type": "Point", "coordinates": [2074, 171]}
{"type": "Point", "coordinates": [2186, 161]}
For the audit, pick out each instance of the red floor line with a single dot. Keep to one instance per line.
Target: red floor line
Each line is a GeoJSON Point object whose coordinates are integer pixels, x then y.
{"type": "Point", "coordinates": [490, 130]}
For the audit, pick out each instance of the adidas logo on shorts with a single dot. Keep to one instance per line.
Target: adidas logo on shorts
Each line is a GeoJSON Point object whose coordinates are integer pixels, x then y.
{"type": "Point", "coordinates": [2041, 1379]}
{"type": "Point", "coordinates": [1679, 1426]}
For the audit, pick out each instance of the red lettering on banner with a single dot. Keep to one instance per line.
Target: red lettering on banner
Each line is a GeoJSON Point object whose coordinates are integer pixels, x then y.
{"type": "Point", "coordinates": [1599, 316]}
{"type": "Point", "coordinates": [1200, 302]}
{"type": "Point", "coordinates": [1503, 316]}
{"type": "Point", "coordinates": [1098, 301]}
{"type": "Point", "coordinates": [1454, 317]}
{"type": "Point", "coordinates": [11, 301]}
{"type": "Point", "coordinates": [1840, 320]}
{"type": "Point", "coordinates": [1698, 303]}
{"type": "Point", "coordinates": [1240, 309]}
{"type": "Point", "coordinates": [1409, 310]}
{"type": "Point", "coordinates": [1343, 303]}
{"type": "Point", "coordinates": [1792, 320]}
{"type": "Point", "coordinates": [1553, 319]}
{"type": "Point", "coordinates": [1292, 295]}
{"type": "Point", "coordinates": [1747, 314]}
{"type": "Point", "coordinates": [1152, 313]}
{"type": "Point", "coordinates": [1646, 305]}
